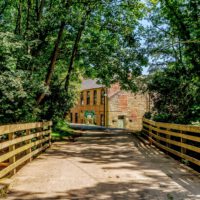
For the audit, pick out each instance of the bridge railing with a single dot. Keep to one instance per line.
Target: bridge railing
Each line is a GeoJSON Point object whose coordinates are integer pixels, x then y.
{"type": "Point", "coordinates": [19, 143]}
{"type": "Point", "coordinates": [182, 141]}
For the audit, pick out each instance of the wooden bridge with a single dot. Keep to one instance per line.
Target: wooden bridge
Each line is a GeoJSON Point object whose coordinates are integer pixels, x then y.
{"type": "Point", "coordinates": [183, 141]}
{"type": "Point", "coordinates": [101, 164]}
{"type": "Point", "coordinates": [20, 143]}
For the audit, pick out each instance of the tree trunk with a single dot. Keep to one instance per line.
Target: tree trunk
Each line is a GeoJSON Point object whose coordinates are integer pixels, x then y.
{"type": "Point", "coordinates": [40, 10]}
{"type": "Point", "coordinates": [28, 14]}
{"type": "Point", "coordinates": [3, 8]}
{"type": "Point", "coordinates": [50, 4]}
{"type": "Point", "coordinates": [75, 49]}
{"type": "Point", "coordinates": [54, 56]}
{"type": "Point", "coordinates": [52, 62]}
{"type": "Point", "coordinates": [18, 21]}
{"type": "Point", "coordinates": [185, 36]}
{"type": "Point", "coordinates": [36, 9]}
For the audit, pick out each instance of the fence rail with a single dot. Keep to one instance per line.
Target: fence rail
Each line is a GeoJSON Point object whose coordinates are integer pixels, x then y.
{"type": "Point", "coordinates": [19, 143]}
{"type": "Point", "coordinates": [181, 140]}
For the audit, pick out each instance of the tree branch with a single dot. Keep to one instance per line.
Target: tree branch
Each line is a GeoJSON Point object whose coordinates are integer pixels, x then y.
{"type": "Point", "coordinates": [75, 49]}
{"type": "Point", "coordinates": [54, 56]}
{"type": "Point", "coordinates": [18, 21]}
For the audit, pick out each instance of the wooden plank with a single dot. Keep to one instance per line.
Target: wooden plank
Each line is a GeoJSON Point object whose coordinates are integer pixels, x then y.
{"type": "Point", "coordinates": [23, 138]}
{"type": "Point", "coordinates": [10, 129]}
{"type": "Point", "coordinates": [188, 128]}
{"type": "Point", "coordinates": [50, 137]}
{"type": "Point", "coordinates": [21, 149]}
{"type": "Point", "coordinates": [176, 143]}
{"type": "Point", "coordinates": [183, 141]}
{"type": "Point", "coordinates": [150, 122]}
{"type": "Point", "coordinates": [21, 161]}
{"type": "Point", "coordinates": [20, 127]}
{"type": "Point", "coordinates": [181, 135]}
{"type": "Point", "coordinates": [3, 165]}
{"type": "Point", "coordinates": [40, 137]}
{"type": "Point", "coordinates": [189, 158]}
{"type": "Point", "coordinates": [28, 132]}
{"type": "Point", "coordinates": [168, 136]}
{"type": "Point", "coordinates": [12, 159]}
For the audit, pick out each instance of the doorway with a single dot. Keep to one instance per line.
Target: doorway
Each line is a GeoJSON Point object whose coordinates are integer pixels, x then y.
{"type": "Point", "coordinates": [121, 121]}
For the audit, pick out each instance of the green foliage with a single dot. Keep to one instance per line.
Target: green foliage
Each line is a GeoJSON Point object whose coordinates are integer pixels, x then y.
{"type": "Point", "coordinates": [147, 115]}
{"type": "Point", "coordinates": [15, 92]}
{"type": "Point", "coordinates": [161, 117]}
{"type": "Point", "coordinates": [61, 130]}
{"type": "Point", "coordinates": [48, 46]}
{"type": "Point", "coordinates": [37, 56]}
{"type": "Point", "coordinates": [172, 38]}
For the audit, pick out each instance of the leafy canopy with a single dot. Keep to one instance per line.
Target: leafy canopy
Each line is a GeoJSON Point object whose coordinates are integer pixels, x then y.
{"type": "Point", "coordinates": [47, 46]}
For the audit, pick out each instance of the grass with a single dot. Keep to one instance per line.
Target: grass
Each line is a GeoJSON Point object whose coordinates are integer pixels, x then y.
{"type": "Point", "coordinates": [61, 132]}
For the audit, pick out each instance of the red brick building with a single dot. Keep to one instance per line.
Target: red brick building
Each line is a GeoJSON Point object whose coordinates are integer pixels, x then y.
{"type": "Point", "coordinates": [111, 107]}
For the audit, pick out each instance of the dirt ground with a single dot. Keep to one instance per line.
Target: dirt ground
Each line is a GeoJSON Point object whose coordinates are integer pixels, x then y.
{"type": "Point", "coordinates": [104, 165]}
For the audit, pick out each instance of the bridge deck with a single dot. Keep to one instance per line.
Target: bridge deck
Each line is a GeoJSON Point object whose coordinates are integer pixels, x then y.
{"type": "Point", "coordinates": [104, 165]}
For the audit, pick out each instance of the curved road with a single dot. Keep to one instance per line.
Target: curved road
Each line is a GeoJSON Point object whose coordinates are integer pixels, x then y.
{"type": "Point", "coordinates": [104, 165]}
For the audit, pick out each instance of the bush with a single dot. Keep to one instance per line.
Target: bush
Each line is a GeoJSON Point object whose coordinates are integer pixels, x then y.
{"type": "Point", "coordinates": [162, 117]}
{"type": "Point", "coordinates": [60, 125]}
{"type": "Point", "coordinates": [61, 130]}
{"type": "Point", "coordinates": [148, 115]}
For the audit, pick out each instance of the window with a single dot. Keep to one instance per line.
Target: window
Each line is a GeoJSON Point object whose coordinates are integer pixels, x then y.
{"type": "Point", "coordinates": [88, 97]}
{"type": "Point", "coordinates": [76, 117]}
{"type": "Point", "coordinates": [121, 117]}
{"type": "Point", "coordinates": [102, 120]}
{"type": "Point", "coordinates": [81, 99]}
{"type": "Point", "coordinates": [95, 97]}
{"type": "Point", "coordinates": [102, 96]}
{"type": "Point", "coordinates": [71, 117]}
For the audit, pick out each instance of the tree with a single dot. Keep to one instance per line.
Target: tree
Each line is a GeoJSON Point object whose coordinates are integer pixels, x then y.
{"type": "Point", "coordinates": [174, 49]}
{"type": "Point", "coordinates": [49, 45]}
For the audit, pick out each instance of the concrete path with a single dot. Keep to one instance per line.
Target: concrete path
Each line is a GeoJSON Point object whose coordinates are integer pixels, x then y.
{"type": "Point", "coordinates": [104, 166]}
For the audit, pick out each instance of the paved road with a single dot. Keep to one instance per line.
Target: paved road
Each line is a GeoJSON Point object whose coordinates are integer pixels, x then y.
{"type": "Point", "coordinates": [104, 165]}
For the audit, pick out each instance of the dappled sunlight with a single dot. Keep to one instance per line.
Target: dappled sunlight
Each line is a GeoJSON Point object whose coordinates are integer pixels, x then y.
{"type": "Point", "coordinates": [105, 165]}
{"type": "Point", "coordinates": [112, 190]}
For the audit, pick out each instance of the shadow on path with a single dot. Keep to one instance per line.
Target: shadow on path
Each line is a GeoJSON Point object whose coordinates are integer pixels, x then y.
{"type": "Point", "coordinates": [109, 165]}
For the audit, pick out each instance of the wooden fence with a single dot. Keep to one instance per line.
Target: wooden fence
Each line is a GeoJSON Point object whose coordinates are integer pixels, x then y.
{"type": "Point", "coordinates": [19, 143]}
{"type": "Point", "coordinates": [180, 140]}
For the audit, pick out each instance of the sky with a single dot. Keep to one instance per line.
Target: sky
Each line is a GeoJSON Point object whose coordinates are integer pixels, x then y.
{"type": "Point", "coordinates": [145, 71]}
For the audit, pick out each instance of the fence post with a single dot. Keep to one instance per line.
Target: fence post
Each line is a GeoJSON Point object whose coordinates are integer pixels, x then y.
{"type": "Point", "coordinates": [50, 134]}
{"type": "Point", "coordinates": [150, 134]}
{"type": "Point", "coordinates": [40, 135]}
{"type": "Point", "coordinates": [12, 159]}
{"type": "Point", "coordinates": [168, 137]}
{"type": "Point", "coordinates": [157, 133]}
{"type": "Point", "coordinates": [28, 132]}
{"type": "Point", "coordinates": [183, 150]}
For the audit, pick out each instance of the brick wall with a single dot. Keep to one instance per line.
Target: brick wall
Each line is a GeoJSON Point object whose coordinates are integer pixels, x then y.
{"type": "Point", "coordinates": [126, 109]}
{"type": "Point", "coordinates": [98, 109]}
{"type": "Point", "coordinates": [123, 109]}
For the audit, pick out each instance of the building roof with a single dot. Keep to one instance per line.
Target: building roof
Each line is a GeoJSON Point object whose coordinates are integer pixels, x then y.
{"type": "Point", "coordinates": [90, 84]}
